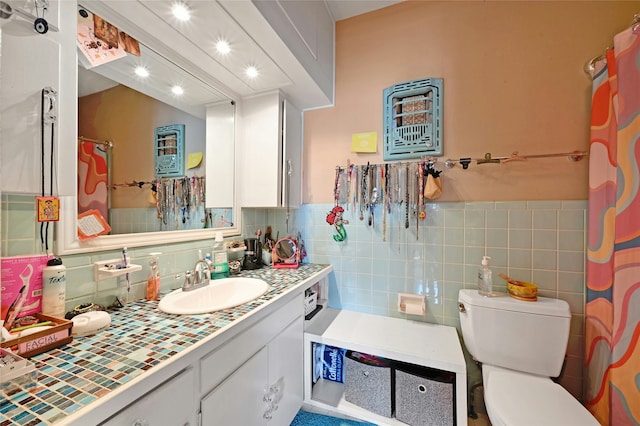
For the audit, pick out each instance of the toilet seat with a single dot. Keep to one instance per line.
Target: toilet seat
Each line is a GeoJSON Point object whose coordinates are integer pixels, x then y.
{"type": "Point", "coordinates": [514, 398]}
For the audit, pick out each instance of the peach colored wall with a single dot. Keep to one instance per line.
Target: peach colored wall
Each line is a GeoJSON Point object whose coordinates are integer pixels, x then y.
{"type": "Point", "coordinates": [513, 81]}
{"type": "Point", "coordinates": [129, 118]}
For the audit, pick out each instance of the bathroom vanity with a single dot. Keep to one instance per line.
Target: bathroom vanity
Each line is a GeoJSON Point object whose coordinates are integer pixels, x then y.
{"type": "Point", "coordinates": [150, 367]}
{"type": "Point", "coordinates": [248, 365]}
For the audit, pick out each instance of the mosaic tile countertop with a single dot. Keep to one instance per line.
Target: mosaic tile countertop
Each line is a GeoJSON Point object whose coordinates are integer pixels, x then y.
{"type": "Point", "coordinates": [139, 338]}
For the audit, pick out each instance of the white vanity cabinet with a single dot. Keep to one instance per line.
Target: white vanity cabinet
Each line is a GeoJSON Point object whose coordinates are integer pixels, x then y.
{"type": "Point", "coordinates": [271, 152]}
{"type": "Point", "coordinates": [267, 389]}
{"type": "Point", "coordinates": [248, 372]}
{"type": "Point", "coordinates": [256, 379]}
{"type": "Point", "coordinates": [239, 399]}
{"type": "Point", "coordinates": [171, 403]}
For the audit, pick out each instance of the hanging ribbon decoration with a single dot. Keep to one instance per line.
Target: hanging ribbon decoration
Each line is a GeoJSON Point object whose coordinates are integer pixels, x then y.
{"type": "Point", "coordinates": [335, 215]}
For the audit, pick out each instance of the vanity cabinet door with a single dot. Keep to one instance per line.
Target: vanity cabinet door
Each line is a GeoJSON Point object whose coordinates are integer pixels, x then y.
{"type": "Point", "coordinates": [267, 389]}
{"type": "Point", "coordinates": [291, 155]}
{"type": "Point", "coordinates": [171, 403]}
{"type": "Point", "coordinates": [286, 373]}
{"type": "Point", "coordinates": [240, 399]}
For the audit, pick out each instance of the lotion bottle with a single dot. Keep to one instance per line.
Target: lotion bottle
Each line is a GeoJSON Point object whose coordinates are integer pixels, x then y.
{"type": "Point", "coordinates": [153, 282]}
{"type": "Point", "coordinates": [485, 278]}
{"type": "Point", "coordinates": [54, 281]}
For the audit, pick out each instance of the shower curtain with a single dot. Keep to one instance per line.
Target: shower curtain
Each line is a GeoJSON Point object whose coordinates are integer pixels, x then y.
{"type": "Point", "coordinates": [93, 178]}
{"type": "Point", "coordinates": [612, 333]}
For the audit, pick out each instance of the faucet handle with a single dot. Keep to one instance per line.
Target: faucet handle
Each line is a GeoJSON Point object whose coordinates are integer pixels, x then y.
{"type": "Point", "coordinates": [202, 272]}
{"type": "Point", "coordinates": [188, 279]}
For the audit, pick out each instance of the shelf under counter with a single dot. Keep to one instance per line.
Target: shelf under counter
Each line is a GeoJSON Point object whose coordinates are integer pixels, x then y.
{"type": "Point", "coordinates": [423, 344]}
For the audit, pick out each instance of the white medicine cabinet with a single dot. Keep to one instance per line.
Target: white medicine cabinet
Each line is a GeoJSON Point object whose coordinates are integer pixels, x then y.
{"type": "Point", "coordinates": [271, 158]}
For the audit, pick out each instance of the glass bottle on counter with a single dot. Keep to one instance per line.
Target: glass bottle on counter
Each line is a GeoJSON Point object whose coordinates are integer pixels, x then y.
{"type": "Point", "coordinates": [153, 282]}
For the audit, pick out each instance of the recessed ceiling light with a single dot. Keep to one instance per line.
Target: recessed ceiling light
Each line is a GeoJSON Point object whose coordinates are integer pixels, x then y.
{"type": "Point", "coordinates": [142, 72]}
{"type": "Point", "coordinates": [251, 71]}
{"type": "Point", "coordinates": [222, 46]}
{"type": "Point", "coordinates": [177, 90]}
{"type": "Point", "coordinates": [181, 11]}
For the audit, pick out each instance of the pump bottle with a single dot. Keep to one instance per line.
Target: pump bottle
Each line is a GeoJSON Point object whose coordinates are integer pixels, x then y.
{"type": "Point", "coordinates": [485, 278]}
{"type": "Point", "coordinates": [153, 282]}
{"type": "Point", "coordinates": [220, 258]}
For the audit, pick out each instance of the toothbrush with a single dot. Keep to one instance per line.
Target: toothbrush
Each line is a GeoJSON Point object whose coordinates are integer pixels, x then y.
{"type": "Point", "coordinates": [125, 260]}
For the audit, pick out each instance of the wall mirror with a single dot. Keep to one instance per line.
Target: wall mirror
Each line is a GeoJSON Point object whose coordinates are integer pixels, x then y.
{"type": "Point", "coordinates": [129, 128]}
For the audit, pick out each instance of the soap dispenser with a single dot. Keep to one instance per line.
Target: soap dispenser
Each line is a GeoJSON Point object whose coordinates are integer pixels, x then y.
{"type": "Point", "coordinates": [153, 282]}
{"type": "Point", "coordinates": [485, 278]}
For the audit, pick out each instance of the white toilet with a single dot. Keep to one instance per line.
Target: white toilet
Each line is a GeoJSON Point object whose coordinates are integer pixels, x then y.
{"type": "Point", "coordinates": [521, 345]}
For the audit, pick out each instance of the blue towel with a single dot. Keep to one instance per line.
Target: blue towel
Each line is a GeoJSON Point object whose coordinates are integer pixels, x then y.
{"type": "Point", "coordinates": [305, 418]}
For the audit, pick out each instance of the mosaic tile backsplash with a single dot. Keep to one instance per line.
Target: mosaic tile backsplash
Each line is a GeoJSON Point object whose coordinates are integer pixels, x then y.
{"type": "Point", "coordinates": [139, 338]}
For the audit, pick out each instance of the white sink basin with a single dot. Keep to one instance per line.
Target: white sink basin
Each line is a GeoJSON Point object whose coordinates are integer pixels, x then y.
{"type": "Point", "coordinates": [219, 294]}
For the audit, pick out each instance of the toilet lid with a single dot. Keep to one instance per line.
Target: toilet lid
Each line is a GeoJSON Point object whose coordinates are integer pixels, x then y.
{"type": "Point", "coordinates": [519, 399]}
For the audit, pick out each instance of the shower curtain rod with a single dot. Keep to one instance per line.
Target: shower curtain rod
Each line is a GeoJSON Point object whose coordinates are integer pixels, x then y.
{"type": "Point", "coordinates": [108, 144]}
{"type": "Point", "coordinates": [590, 66]}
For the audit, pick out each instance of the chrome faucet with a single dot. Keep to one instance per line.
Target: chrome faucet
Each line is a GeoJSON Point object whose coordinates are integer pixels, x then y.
{"type": "Point", "coordinates": [198, 278]}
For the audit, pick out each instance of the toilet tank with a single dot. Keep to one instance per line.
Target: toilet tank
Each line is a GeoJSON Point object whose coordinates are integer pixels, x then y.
{"type": "Point", "coordinates": [524, 336]}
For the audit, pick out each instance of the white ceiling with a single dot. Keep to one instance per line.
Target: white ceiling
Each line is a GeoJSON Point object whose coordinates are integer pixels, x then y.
{"type": "Point", "coordinates": [195, 41]}
{"type": "Point", "coordinates": [343, 9]}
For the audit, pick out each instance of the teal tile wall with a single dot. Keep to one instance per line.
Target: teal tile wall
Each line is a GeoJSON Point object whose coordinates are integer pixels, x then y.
{"type": "Point", "coordinates": [21, 236]}
{"type": "Point", "coordinates": [539, 241]}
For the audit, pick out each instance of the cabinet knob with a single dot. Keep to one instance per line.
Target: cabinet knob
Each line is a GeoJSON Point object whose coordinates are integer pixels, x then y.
{"type": "Point", "coordinates": [267, 414]}
{"type": "Point", "coordinates": [139, 422]}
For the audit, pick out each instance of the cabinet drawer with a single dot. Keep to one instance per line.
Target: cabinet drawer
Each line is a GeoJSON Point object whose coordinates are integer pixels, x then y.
{"type": "Point", "coordinates": [171, 403]}
{"type": "Point", "coordinates": [217, 365]}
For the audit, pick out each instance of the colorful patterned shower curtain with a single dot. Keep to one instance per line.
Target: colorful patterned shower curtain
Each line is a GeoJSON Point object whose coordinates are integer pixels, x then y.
{"type": "Point", "coordinates": [93, 178]}
{"type": "Point", "coordinates": [612, 356]}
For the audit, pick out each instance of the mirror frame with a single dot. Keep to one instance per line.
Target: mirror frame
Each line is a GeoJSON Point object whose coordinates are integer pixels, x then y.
{"type": "Point", "coordinates": [65, 237]}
